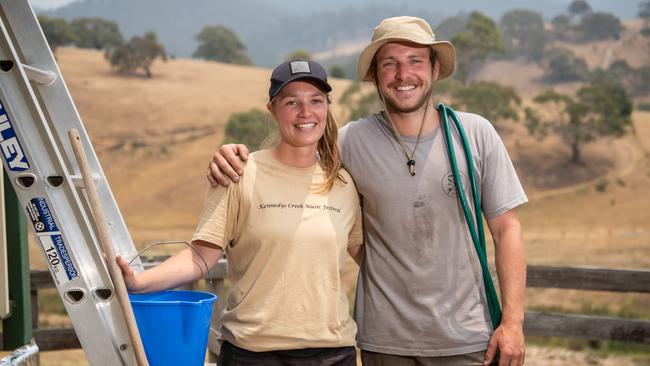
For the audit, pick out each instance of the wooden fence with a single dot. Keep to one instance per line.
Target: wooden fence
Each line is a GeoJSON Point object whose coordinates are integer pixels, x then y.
{"type": "Point", "coordinates": [536, 323]}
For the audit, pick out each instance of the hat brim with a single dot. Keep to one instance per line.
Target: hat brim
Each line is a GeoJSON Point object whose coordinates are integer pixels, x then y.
{"type": "Point", "coordinates": [322, 85]}
{"type": "Point", "coordinates": [445, 55]}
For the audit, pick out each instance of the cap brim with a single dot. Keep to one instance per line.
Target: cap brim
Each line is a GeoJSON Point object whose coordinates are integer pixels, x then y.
{"type": "Point", "coordinates": [445, 55]}
{"type": "Point", "coordinates": [322, 85]}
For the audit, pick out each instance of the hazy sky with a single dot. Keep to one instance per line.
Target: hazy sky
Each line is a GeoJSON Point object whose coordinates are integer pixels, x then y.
{"type": "Point", "coordinates": [46, 4]}
{"type": "Point", "coordinates": [622, 8]}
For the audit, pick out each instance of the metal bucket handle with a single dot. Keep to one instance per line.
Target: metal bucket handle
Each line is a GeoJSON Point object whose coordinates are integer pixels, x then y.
{"type": "Point", "coordinates": [207, 269]}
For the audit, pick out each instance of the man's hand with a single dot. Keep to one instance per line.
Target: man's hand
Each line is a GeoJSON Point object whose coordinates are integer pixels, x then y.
{"type": "Point", "coordinates": [226, 165]}
{"type": "Point", "coordinates": [508, 341]}
{"type": "Point", "coordinates": [127, 273]}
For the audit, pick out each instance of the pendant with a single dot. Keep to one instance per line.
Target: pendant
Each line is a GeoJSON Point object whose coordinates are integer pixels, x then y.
{"type": "Point", "coordinates": [411, 165]}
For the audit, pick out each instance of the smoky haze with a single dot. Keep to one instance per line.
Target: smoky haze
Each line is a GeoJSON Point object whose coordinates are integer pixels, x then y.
{"type": "Point", "coordinates": [271, 29]}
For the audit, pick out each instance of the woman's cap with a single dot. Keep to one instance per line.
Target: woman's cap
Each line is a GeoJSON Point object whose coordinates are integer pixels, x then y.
{"type": "Point", "coordinates": [290, 71]}
{"type": "Point", "coordinates": [407, 29]}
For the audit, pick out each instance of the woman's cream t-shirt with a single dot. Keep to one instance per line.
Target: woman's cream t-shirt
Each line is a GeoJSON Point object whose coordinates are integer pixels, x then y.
{"type": "Point", "coordinates": [286, 246]}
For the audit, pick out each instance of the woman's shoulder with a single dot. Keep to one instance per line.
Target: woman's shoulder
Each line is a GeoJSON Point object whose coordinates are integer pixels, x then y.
{"type": "Point", "coordinates": [347, 182]}
{"type": "Point", "coordinates": [255, 158]}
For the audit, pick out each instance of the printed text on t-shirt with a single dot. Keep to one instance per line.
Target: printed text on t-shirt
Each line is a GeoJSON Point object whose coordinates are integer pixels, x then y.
{"type": "Point", "coordinates": [308, 206]}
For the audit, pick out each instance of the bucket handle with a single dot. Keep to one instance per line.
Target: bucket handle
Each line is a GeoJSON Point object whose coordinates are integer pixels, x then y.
{"type": "Point", "coordinates": [207, 269]}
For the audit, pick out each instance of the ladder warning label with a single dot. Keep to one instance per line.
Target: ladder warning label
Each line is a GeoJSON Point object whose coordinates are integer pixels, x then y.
{"type": "Point", "coordinates": [12, 152]}
{"type": "Point", "coordinates": [47, 232]}
{"type": "Point", "coordinates": [41, 216]}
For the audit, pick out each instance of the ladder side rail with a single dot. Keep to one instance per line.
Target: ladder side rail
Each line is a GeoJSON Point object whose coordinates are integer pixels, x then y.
{"type": "Point", "coordinates": [102, 315]}
{"type": "Point", "coordinates": [4, 271]}
{"type": "Point", "coordinates": [80, 278]}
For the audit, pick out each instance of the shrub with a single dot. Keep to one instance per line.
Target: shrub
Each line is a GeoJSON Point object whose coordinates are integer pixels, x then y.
{"type": "Point", "coordinates": [601, 185]}
{"type": "Point", "coordinates": [250, 128]}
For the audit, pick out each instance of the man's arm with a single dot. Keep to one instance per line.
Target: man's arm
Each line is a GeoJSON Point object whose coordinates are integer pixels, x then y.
{"type": "Point", "coordinates": [226, 165]}
{"type": "Point", "coordinates": [510, 262]}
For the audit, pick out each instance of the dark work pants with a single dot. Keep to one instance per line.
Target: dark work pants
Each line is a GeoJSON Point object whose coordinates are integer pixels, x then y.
{"type": "Point", "coordinates": [231, 355]}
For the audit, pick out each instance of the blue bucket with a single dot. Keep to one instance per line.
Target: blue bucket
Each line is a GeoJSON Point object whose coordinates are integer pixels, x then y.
{"type": "Point", "coordinates": [174, 325]}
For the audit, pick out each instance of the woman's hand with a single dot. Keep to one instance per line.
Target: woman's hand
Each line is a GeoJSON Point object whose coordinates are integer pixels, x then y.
{"type": "Point", "coordinates": [127, 273]}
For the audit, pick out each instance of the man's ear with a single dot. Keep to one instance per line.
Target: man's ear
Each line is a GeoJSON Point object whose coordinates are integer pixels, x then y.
{"type": "Point", "coordinates": [436, 69]}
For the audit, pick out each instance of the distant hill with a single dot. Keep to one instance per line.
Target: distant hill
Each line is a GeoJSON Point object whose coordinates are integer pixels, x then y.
{"type": "Point", "coordinates": [268, 30]}
{"type": "Point", "coordinates": [271, 29]}
{"type": "Point", "coordinates": [175, 23]}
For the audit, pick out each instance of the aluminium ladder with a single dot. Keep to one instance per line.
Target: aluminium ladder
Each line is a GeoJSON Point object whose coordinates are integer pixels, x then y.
{"type": "Point", "coordinates": [36, 113]}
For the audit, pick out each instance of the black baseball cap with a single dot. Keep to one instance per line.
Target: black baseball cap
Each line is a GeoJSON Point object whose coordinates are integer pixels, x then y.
{"type": "Point", "coordinates": [294, 70]}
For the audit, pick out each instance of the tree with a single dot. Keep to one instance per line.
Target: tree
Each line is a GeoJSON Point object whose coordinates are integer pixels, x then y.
{"type": "Point", "coordinates": [642, 80]}
{"type": "Point", "coordinates": [250, 128]}
{"type": "Point", "coordinates": [635, 80]}
{"type": "Point", "coordinates": [562, 27]}
{"type": "Point", "coordinates": [137, 53]}
{"type": "Point", "coordinates": [337, 71]}
{"type": "Point", "coordinates": [489, 99]}
{"type": "Point", "coordinates": [97, 33]}
{"type": "Point", "coordinates": [474, 45]}
{"type": "Point", "coordinates": [644, 13]}
{"type": "Point", "coordinates": [451, 26]}
{"type": "Point", "coordinates": [598, 26]}
{"type": "Point", "coordinates": [579, 8]}
{"type": "Point", "coordinates": [218, 43]}
{"type": "Point", "coordinates": [602, 109]}
{"type": "Point", "coordinates": [563, 65]}
{"type": "Point", "coordinates": [360, 102]}
{"type": "Point", "coordinates": [57, 32]}
{"type": "Point", "coordinates": [608, 106]}
{"type": "Point", "coordinates": [298, 55]}
{"type": "Point", "coordinates": [524, 34]}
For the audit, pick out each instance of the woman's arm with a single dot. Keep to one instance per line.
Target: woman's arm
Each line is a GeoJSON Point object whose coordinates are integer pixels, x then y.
{"type": "Point", "coordinates": [181, 268]}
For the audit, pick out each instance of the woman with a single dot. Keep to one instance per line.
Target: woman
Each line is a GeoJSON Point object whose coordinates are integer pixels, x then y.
{"type": "Point", "coordinates": [285, 228]}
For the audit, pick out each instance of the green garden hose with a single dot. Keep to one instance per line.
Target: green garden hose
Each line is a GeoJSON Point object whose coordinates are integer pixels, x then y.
{"type": "Point", "coordinates": [475, 225]}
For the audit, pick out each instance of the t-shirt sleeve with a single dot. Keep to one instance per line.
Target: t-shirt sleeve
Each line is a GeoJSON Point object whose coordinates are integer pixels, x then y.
{"type": "Point", "coordinates": [217, 221]}
{"type": "Point", "coordinates": [501, 190]}
{"type": "Point", "coordinates": [342, 142]}
{"type": "Point", "coordinates": [356, 234]}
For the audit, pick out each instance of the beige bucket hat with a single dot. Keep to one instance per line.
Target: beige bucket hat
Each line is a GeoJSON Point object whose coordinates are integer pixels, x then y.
{"type": "Point", "coordinates": [407, 29]}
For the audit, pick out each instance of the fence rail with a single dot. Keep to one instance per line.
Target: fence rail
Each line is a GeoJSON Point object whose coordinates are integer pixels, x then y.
{"type": "Point", "coordinates": [536, 323]}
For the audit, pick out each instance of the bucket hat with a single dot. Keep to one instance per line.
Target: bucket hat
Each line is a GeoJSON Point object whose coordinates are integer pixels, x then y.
{"type": "Point", "coordinates": [407, 29]}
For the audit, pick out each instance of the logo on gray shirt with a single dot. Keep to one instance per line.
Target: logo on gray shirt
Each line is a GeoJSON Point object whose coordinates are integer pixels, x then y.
{"type": "Point", "coordinates": [449, 184]}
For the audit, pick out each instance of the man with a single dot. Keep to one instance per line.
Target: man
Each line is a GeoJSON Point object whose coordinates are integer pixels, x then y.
{"type": "Point", "coordinates": [420, 295]}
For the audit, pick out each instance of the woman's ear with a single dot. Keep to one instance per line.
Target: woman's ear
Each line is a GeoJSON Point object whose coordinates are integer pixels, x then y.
{"type": "Point", "coordinates": [269, 107]}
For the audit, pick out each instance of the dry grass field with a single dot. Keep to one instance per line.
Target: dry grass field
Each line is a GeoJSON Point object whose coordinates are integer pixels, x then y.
{"type": "Point", "coordinates": [155, 136]}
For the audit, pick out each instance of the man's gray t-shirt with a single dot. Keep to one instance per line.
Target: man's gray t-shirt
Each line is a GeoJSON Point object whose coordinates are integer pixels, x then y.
{"type": "Point", "coordinates": [420, 289]}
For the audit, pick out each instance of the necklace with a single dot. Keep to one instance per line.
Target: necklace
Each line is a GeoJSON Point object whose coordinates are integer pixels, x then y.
{"type": "Point", "coordinates": [410, 155]}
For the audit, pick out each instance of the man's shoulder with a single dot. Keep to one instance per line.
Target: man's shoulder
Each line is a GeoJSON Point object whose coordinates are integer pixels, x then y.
{"type": "Point", "coordinates": [359, 125]}
{"type": "Point", "coordinates": [475, 124]}
{"type": "Point", "coordinates": [358, 128]}
{"type": "Point", "coordinates": [473, 119]}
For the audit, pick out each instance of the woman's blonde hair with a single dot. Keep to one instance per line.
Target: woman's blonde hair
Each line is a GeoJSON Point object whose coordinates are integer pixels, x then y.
{"type": "Point", "coordinates": [328, 151]}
